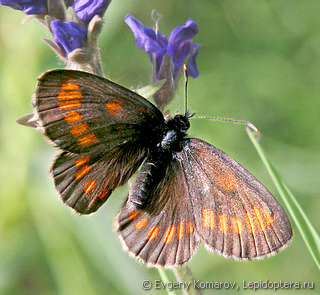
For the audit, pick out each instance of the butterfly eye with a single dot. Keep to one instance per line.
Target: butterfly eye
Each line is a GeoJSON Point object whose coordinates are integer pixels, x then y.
{"type": "Point", "coordinates": [183, 122]}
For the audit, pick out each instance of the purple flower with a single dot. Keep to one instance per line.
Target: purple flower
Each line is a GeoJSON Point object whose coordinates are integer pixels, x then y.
{"type": "Point", "coordinates": [154, 43]}
{"type": "Point", "coordinates": [86, 9]}
{"type": "Point", "coordinates": [68, 35]}
{"type": "Point", "coordinates": [28, 6]}
{"type": "Point", "coordinates": [179, 47]}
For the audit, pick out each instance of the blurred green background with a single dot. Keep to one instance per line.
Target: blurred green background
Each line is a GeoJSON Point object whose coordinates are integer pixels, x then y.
{"type": "Point", "coordinates": [259, 61]}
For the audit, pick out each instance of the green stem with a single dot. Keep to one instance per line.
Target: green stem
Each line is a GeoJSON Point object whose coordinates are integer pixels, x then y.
{"type": "Point", "coordinates": [165, 279]}
{"type": "Point", "coordinates": [183, 274]}
{"type": "Point", "coordinates": [309, 234]}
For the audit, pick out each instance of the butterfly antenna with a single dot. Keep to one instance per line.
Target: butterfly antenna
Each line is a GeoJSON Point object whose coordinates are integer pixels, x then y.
{"type": "Point", "coordinates": [241, 122]}
{"type": "Point", "coordinates": [185, 71]}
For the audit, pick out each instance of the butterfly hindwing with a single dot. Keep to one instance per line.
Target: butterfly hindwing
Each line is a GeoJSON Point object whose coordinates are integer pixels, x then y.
{"type": "Point", "coordinates": [82, 113]}
{"type": "Point", "coordinates": [85, 182]}
{"type": "Point", "coordinates": [213, 197]}
{"type": "Point", "coordinates": [162, 238]}
{"type": "Point", "coordinates": [235, 214]}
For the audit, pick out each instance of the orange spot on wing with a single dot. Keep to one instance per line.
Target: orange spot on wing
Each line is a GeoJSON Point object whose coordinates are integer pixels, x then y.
{"type": "Point", "coordinates": [153, 233]}
{"type": "Point", "coordinates": [225, 181]}
{"type": "Point", "coordinates": [144, 110]}
{"type": "Point", "coordinates": [79, 129]}
{"type": "Point", "coordinates": [259, 219]}
{"type": "Point", "coordinates": [133, 214]}
{"type": "Point", "coordinates": [88, 139]}
{"type": "Point", "coordinates": [237, 225]}
{"type": "Point", "coordinates": [89, 186]}
{"type": "Point", "coordinates": [223, 224]}
{"type": "Point", "coordinates": [72, 117]}
{"type": "Point", "coordinates": [66, 79]}
{"type": "Point", "coordinates": [208, 218]}
{"type": "Point", "coordinates": [82, 171]}
{"type": "Point", "coordinates": [114, 107]}
{"type": "Point", "coordinates": [180, 230]}
{"type": "Point", "coordinates": [275, 214]}
{"type": "Point", "coordinates": [69, 86]}
{"type": "Point", "coordinates": [80, 161]}
{"type": "Point", "coordinates": [120, 127]}
{"type": "Point", "coordinates": [71, 104]}
{"type": "Point", "coordinates": [141, 224]}
{"type": "Point", "coordinates": [250, 223]}
{"type": "Point", "coordinates": [189, 227]}
{"type": "Point", "coordinates": [63, 95]}
{"type": "Point", "coordinates": [104, 193]}
{"type": "Point", "coordinates": [267, 216]}
{"type": "Point", "coordinates": [169, 234]}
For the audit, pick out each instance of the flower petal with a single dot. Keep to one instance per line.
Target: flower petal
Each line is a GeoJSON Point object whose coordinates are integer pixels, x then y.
{"type": "Point", "coordinates": [191, 64]}
{"type": "Point", "coordinates": [87, 9]}
{"type": "Point", "coordinates": [180, 43]}
{"type": "Point", "coordinates": [28, 6]}
{"type": "Point", "coordinates": [68, 35]}
{"type": "Point", "coordinates": [154, 43]}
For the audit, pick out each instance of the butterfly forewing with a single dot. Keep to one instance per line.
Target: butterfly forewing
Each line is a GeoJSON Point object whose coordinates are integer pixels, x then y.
{"type": "Point", "coordinates": [103, 128]}
{"type": "Point", "coordinates": [235, 214]}
{"type": "Point", "coordinates": [84, 113]}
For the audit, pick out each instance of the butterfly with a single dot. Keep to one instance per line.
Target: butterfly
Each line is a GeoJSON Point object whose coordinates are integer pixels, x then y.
{"type": "Point", "coordinates": [185, 190]}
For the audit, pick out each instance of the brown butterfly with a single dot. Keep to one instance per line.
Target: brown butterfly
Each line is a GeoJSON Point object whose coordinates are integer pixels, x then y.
{"type": "Point", "coordinates": [186, 190]}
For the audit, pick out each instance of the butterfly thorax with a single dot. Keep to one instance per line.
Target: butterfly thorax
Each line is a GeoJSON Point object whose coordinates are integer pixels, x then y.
{"type": "Point", "coordinates": [175, 130]}
{"type": "Point", "coordinates": [157, 164]}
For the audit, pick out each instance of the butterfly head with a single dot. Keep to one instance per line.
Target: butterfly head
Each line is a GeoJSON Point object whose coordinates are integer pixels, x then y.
{"type": "Point", "coordinates": [175, 130]}
{"type": "Point", "coordinates": [179, 123]}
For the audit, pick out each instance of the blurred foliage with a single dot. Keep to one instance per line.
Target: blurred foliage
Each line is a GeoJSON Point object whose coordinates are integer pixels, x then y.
{"type": "Point", "coordinates": [259, 61]}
